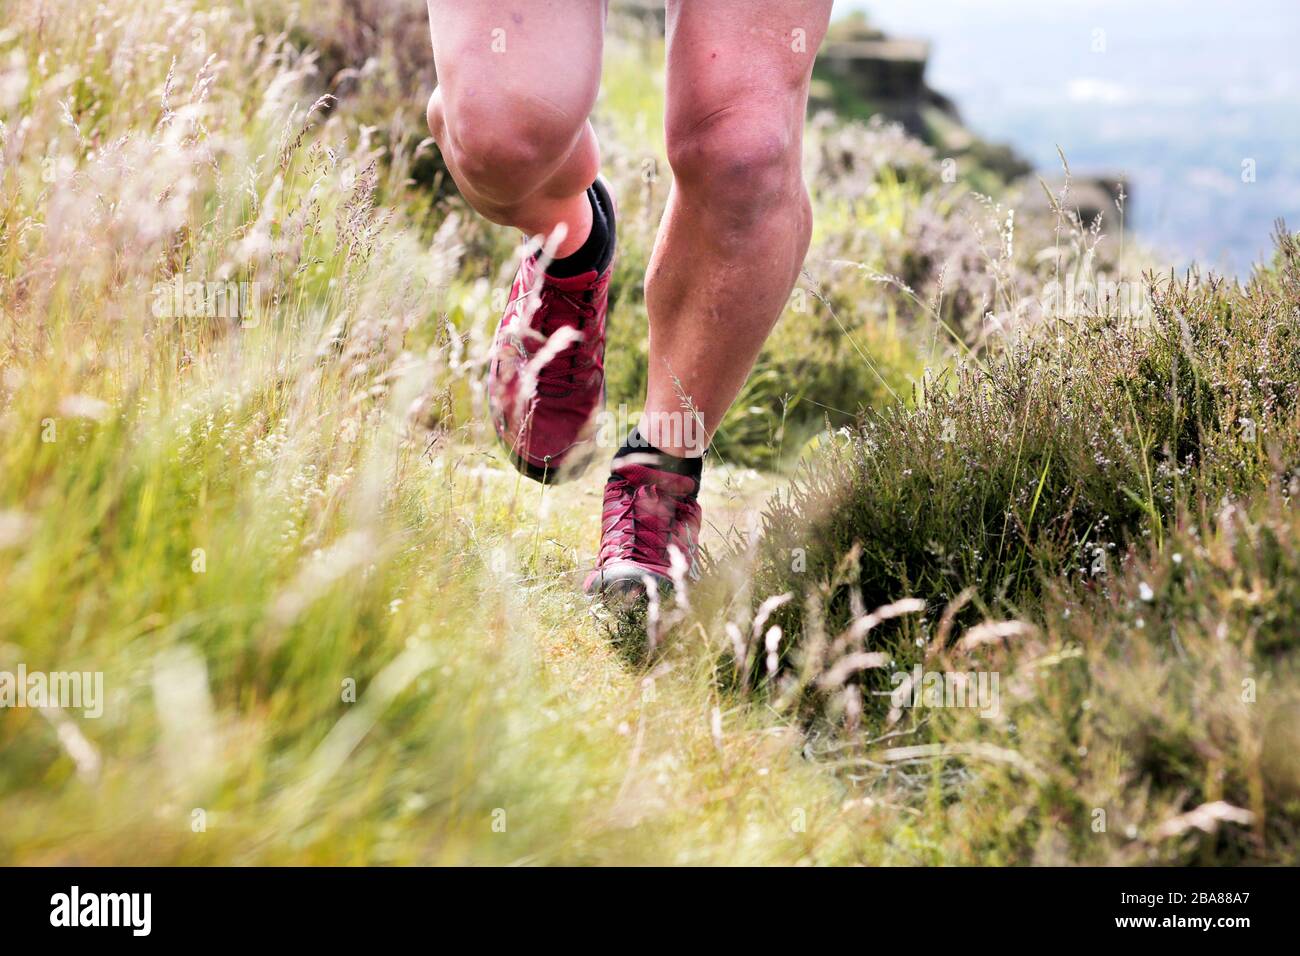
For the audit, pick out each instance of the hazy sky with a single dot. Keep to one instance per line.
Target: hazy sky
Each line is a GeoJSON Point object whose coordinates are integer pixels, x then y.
{"type": "Point", "coordinates": [1177, 93]}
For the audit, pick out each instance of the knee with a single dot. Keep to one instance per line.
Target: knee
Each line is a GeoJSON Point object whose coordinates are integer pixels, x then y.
{"type": "Point", "coordinates": [747, 162]}
{"type": "Point", "coordinates": [503, 146]}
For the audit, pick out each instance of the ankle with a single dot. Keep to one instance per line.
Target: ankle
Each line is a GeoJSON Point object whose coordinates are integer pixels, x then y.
{"type": "Point", "coordinates": [594, 252]}
{"type": "Point", "coordinates": [575, 221]}
{"type": "Point", "coordinates": [671, 428]}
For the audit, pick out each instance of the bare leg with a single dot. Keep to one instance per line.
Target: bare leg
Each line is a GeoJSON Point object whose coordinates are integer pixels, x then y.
{"type": "Point", "coordinates": [738, 219]}
{"type": "Point", "coordinates": [516, 82]}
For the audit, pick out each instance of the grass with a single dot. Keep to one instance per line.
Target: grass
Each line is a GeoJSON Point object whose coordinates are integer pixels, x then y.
{"type": "Point", "coordinates": [335, 627]}
{"type": "Point", "coordinates": [1120, 491]}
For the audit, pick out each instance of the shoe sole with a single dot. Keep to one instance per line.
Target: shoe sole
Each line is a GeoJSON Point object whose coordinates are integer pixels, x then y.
{"type": "Point", "coordinates": [624, 585]}
{"type": "Point", "coordinates": [566, 470]}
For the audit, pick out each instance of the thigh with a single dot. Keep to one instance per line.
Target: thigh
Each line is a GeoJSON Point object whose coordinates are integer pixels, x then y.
{"type": "Point", "coordinates": [501, 55]}
{"type": "Point", "coordinates": [750, 56]}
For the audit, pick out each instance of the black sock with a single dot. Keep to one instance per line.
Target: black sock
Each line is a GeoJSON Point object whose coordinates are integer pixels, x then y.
{"type": "Point", "coordinates": [598, 248]}
{"type": "Point", "coordinates": [661, 460]}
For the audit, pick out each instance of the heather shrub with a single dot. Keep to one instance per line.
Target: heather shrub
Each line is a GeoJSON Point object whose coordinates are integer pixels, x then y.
{"type": "Point", "coordinates": [1100, 514]}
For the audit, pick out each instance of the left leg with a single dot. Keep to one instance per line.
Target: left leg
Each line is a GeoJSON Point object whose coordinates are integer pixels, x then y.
{"type": "Point", "coordinates": [738, 219]}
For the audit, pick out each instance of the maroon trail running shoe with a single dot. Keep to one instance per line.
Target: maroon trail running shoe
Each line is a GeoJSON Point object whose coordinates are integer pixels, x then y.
{"type": "Point", "coordinates": [546, 379]}
{"type": "Point", "coordinates": [647, 511]}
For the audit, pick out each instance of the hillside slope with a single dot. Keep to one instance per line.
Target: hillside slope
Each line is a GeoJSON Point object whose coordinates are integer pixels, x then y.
{"type": "Point", "coordinates": [244, 474]}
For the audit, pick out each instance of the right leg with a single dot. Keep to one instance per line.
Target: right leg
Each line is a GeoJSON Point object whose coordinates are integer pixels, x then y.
{"type": "Point", "coordinates": [516, 82]}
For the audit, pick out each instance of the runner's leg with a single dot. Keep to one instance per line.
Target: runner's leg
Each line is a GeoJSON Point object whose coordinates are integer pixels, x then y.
{"type": "Point", "coordinates": [738, 220]}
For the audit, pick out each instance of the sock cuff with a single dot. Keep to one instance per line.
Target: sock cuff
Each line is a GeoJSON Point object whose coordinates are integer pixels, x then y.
{"type": "Point", "coordinates": [597, 250]}
{"type": "Point", "coordinates": [659, 459]}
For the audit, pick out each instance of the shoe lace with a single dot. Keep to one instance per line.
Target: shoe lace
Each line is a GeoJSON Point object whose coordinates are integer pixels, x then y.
{"type": "Point", "coordinates": [558, 305]}
{"type": "Point", "coordinates": [644, 519]}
